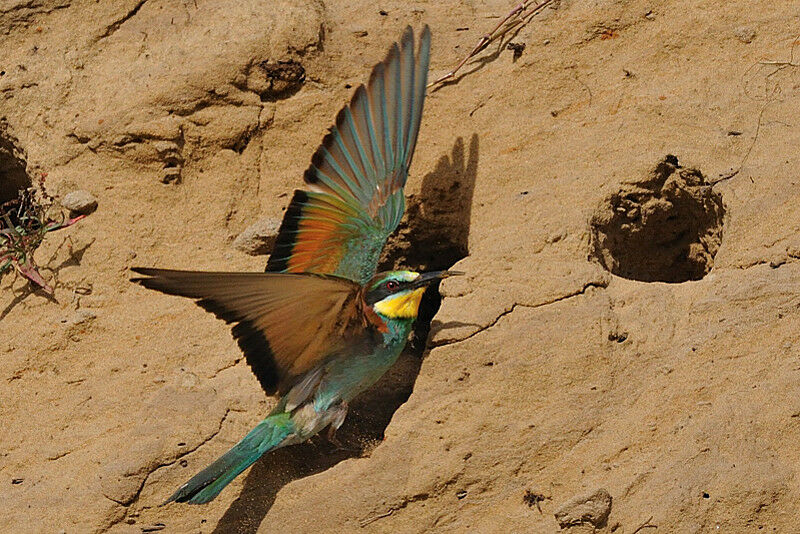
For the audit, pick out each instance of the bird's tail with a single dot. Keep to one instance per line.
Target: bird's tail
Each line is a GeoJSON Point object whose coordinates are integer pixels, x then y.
{"type": "Point", "coordinates": [206, 485]}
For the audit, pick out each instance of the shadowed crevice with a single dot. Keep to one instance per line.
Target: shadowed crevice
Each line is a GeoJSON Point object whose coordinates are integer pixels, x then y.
{"type": "Point", "coordinates": [434, 234]}
{"type": "Point", "coordinates": [13, 168]}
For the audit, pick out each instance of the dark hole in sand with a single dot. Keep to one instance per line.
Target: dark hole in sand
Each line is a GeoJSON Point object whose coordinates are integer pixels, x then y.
{"type": "Point", "coordinates": [666, 228]}
{"type": "Point", "coordinates": [13, 174]}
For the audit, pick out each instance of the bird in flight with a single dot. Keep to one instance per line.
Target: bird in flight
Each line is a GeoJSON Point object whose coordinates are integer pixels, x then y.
{"type": "Point", "coordinates": [320, 326]}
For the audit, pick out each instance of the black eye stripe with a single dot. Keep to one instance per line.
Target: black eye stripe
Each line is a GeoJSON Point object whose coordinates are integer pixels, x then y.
{"type": "Point", "coordinates": [381, 291]}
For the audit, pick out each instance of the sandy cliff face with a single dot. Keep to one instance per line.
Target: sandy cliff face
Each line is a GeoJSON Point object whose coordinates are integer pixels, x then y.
{"type": "Point", "coordinates": [629, 321]}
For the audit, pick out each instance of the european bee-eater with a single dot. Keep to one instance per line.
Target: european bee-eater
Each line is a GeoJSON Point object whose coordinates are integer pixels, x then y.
{"type": "Point", "coordinates": [320, 326]}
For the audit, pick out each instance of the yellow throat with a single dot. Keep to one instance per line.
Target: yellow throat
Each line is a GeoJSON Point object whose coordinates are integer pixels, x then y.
{"type": "Point", "coordinates": [402, 305]}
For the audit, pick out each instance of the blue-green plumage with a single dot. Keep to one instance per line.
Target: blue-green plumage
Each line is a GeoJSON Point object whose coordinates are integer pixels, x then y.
{"type": "Point", "coordinates": [345, 378]}
{"type": "Point", "coordinates": [206, 485]}
{"type": "Point", "coordinates": [335, 384]}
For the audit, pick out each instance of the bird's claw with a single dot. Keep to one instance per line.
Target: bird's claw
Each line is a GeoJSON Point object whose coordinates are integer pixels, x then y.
{"type": "Point", "coordinates": [338, 444]}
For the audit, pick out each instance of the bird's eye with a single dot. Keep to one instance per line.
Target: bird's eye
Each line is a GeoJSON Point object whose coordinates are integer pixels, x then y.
{"type": "Point", "coordinates": [391, 285]}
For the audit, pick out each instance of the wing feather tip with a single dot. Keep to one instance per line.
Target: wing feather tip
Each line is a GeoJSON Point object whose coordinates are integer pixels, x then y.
{"type": "Point", "coordinates": [401, 76]}
{"type": "Point", "coordinates": [408, 36]}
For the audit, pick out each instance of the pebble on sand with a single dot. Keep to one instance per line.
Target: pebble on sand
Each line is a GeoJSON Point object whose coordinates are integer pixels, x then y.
{"type": "Point", "coordinates": [79, 202]}
{"type": "Point", "coordinates": [258, 238]}
{"type": "Point", "coordinates": [745, 34]}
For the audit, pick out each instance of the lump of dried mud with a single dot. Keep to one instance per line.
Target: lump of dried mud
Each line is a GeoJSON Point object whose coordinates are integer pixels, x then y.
{"type": "Point", "coordinates": [666, 227]}
{"type": "Point", "coordinates": [593, 508]}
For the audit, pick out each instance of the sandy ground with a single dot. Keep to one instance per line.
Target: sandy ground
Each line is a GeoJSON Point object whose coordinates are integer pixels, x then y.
{"type": "Point", "coordinates": [545, 374]}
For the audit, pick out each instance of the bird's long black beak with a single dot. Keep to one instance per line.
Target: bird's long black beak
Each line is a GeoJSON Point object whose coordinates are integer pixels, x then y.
{"type": "Point", "coordinates": [432, 276]}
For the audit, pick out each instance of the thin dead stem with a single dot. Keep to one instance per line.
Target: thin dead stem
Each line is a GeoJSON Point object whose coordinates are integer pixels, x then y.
{"type": "Point", "coordinates": [779, 65]}
{"type": "Point", "coordinates": [364, 522]}
{"type": "Point", "coordinates": [645, 525]}
{"type": "Point", "coordinates": [521, 14]}
{"type": "Point", "coordinates": [733, 173]}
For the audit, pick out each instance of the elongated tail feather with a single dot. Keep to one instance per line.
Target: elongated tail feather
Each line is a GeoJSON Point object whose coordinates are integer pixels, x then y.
{"type": "Point", "coordinates": [206, 485]}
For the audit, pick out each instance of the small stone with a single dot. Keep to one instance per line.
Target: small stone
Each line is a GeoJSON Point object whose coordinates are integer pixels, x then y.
{"type": "Point", "coordinates": [593, 508]}
{"type": "Point", "coordinates": [777, 261]}
{"type": "Point", "coordinates": [79, 317]}
{"type": "Point", "coordinates": [745, 34]}
{"type": "Point", "coordinates": [165, 148]}
{"type": "Point", "coordinates": [259, 238]}
{"type": "Point", "coordinates": [79, 202]}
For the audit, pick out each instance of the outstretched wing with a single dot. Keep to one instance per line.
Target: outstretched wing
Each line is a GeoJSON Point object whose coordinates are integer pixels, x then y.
{"type": "Point", "coordinates": [286, 323]}
{"type": "Point", "coordinates": [357, 175]}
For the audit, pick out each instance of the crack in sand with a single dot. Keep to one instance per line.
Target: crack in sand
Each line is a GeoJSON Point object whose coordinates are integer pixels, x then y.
{"type": "Point", "coordinates": [436, 491]}
{"type": "Point", "coordinates": [184, 453]}
{"type": "Point", "coordinates": [514, 306]}
{"type": "Point", "coordinates": [180, 456]}
{"type": "Point", "coordinates": [775, 263]}
{"type": "Point", "coordinates": [114, 26]}
{"type": "Point", "coordinates": [234, 363]}
{"type": "Point", "coordinates": [32, 5]}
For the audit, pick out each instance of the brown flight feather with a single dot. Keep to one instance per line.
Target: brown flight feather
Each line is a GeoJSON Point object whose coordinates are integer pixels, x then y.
{"type": "Point", "coordinates": [287, 323]}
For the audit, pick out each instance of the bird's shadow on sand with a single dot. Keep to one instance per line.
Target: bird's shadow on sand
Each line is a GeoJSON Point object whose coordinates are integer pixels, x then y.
{"type": "Point", "coordinates": [434, 235]}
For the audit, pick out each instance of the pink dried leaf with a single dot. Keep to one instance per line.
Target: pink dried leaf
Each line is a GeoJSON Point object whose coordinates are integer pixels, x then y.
{"type": "Point", "coordinates": [64, 224]}
{"type": "Point", "coordinates": [29, 271]}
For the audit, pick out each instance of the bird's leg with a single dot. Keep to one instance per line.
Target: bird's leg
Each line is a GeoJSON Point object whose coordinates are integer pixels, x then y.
{"type": "Point", "coordinates": [333, 439]}
{"type": "Point", "coordinates": [339, 413]}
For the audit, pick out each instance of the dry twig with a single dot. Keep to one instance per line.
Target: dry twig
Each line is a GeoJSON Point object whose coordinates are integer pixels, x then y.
{"type": "Point", "coordinates": [733, 173]}
{"type": "Point", "coordinates": [364, 522]}
{"type": "Point", "coordinates": [779, 65]}
{"type": "Point", "coordinates": [524, 12]}
{"type": "Point", "coordinates": [645, 525]}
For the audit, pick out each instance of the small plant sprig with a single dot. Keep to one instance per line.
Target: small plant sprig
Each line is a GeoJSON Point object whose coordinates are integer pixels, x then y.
{"type": "Point", "coordinates": [24, 222]}
{"type": "Point", "coordinates": [522, 14]}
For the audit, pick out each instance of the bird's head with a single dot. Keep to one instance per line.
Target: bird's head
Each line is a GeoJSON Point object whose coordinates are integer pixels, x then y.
{"type": "Point", "coordinates": [397, 294]}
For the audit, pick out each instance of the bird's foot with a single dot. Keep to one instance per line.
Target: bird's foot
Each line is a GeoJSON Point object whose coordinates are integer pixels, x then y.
{"type": "Point", "coordinates": [338, 444]}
